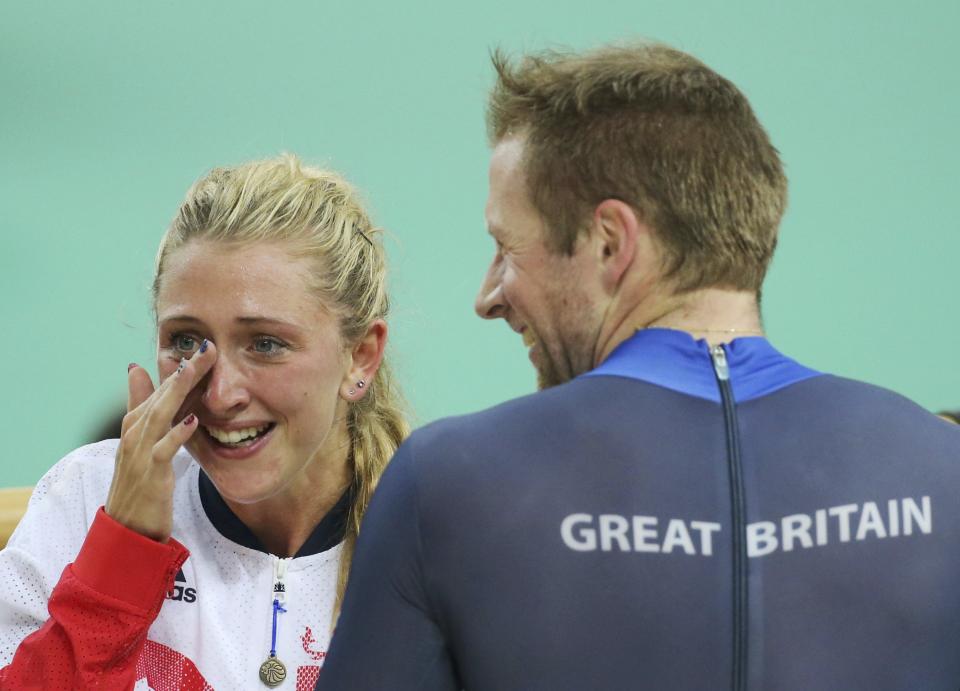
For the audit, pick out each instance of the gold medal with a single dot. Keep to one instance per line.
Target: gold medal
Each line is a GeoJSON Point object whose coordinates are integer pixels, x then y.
{"type": "Point", "coordinates": [272, 672]}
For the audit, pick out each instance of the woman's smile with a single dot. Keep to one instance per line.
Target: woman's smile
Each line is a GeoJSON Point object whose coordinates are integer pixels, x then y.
{"type": "Point", "coordinates": [237, 441]}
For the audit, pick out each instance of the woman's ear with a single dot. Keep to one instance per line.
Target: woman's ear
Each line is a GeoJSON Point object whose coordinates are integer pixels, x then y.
{"type": "Point", "coordinates": [365, 359]}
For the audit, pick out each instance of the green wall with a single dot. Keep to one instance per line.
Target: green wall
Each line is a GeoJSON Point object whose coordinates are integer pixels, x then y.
{"type": "Point", "coordinates": [108, 110]}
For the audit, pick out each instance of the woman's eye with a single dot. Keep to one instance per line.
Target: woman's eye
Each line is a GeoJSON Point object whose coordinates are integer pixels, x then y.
{"type": "Point", "coordinates": [267, 346]}
{"type": "Point", "coordinates": [184, 343]}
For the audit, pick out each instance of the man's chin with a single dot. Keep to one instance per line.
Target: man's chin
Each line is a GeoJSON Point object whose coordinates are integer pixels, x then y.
{"type": "Point", "coordinates": [548, 378]}
{"type": "Point", "coordinates": [549, 374]}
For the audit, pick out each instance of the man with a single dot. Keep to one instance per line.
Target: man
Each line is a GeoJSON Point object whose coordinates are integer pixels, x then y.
{"type": "Point", "coordinates": [682, 506]}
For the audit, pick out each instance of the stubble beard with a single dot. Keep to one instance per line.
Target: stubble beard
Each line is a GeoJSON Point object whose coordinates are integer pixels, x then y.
{"type": "Point", "coordinates": [577, 326]}
{"type": "Point", "coordinates": [572, 354]}
{"type": "Point", "coordinates": [547, 376]}
{"type": "Point", "coordinates": [576, 360]}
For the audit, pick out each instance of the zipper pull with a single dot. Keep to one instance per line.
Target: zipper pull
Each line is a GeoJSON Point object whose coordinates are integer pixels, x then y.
{"type": "Point", "coordinates": [280, 582]}
{"type": "Point", "coordinates": [720, 362]}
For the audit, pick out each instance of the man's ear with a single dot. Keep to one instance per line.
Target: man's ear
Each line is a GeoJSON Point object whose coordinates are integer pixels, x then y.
{"type": "Point", "coordinates": [617, 232]}
{"type": "Point", "coordinates": [365, 359]}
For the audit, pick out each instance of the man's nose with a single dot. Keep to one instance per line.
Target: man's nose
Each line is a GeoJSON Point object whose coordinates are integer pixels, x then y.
{"type": "Point", "coordinates": [490, 303]}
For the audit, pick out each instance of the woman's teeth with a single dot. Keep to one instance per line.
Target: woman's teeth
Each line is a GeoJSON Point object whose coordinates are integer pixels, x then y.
{"type": "Point", "coordinates": [236, 436]}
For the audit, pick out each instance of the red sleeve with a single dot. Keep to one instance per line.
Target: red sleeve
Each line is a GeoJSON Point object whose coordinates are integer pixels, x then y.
{"type": "Point", "coordinates": [99, 613]}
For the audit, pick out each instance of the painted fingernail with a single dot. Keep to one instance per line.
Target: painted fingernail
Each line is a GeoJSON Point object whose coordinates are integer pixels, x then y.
{"type": "Point", "coordinates": [131, 366]}
{"type": "Point", "coordinates": [188, 420]}
{"type": "Point", "coordinates": [183, 363]}
{"type": "Point", "coordinates": [203, 346]}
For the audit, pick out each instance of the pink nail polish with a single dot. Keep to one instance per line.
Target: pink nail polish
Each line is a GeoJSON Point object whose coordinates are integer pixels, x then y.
{"type": "Point", "coordinates": [131, 366]}
{"type": "Point", "coordinates": [187, 421]}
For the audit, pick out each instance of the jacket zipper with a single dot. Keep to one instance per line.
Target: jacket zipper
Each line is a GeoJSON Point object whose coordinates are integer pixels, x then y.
{"type": "Point", "coordinates": [280, 579]}
{"type": "Point", "coordinates": [738, 512]}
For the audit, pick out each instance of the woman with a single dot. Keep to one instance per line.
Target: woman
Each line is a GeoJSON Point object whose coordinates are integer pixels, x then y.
{"type": "Point", "coordinates": [238, 484]}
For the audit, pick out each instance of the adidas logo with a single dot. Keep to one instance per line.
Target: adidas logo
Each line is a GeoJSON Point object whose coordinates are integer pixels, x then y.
{"type": "Point", "coordinates": [182, 592]}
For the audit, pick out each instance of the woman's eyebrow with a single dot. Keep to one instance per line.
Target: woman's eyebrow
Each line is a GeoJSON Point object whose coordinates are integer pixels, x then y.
{"type": "Point", "coordinates": [252, 319]}
{"type": "Point", "coordinates": [267, 320]}
{"type": "Point", "coordinates": [185, 318]}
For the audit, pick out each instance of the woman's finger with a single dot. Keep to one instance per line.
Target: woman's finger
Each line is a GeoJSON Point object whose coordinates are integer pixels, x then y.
{"type": "Point", "coordinates": [139, 391]}
{"type": "Point", "coordinates": [139, 386]}
{"type": "Point", "coordinates": [175, 389]}
{"type": "Point", "coordinates": [179, 434]}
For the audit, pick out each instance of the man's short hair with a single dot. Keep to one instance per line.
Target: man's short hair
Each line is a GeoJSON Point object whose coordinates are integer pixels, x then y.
{"type": "Point", "coordinates": [655, 128]}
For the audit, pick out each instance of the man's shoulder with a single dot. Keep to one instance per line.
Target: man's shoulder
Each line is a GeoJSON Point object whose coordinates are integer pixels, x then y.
{"type": "Point", "coordinates": [838, 409]}
{"type": "Point", "coordinates": [868, 398]}
{"type": "Point", "coordinates": [518, 437]}
{"type": "Point", "coordinates": [525, 415]}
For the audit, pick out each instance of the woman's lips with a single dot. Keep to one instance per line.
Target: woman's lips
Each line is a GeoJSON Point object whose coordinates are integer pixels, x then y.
{"type": "Point", "coordinates": [240, 451]}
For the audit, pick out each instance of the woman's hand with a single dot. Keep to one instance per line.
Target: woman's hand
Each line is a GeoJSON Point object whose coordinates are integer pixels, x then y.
{"type": "Point", "coordinates": [141, 494]}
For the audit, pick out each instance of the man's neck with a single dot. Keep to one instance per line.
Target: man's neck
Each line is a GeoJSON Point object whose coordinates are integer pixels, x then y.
{"type": "Point", "coordinates": [714, 314]}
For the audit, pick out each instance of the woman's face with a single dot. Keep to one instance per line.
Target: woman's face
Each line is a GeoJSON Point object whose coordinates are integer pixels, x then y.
{"type": "Point", "coordinates": [271, 417]}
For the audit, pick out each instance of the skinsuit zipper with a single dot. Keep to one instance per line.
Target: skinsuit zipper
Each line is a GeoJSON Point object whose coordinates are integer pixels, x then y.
{"type": "Point", "coordinates": [738, 512]}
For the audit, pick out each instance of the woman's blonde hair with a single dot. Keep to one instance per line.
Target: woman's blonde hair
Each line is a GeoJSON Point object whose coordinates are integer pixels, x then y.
{"type": "Point", "coordinates": [319, 215]}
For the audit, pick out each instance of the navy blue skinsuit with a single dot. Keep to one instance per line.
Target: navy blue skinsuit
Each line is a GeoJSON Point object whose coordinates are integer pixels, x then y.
{"type": "Point", "coordinates": [679, 518]}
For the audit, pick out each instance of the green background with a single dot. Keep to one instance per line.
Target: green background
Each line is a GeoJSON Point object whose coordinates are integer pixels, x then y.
{"type": "Point", "coordinates": [111, 109]}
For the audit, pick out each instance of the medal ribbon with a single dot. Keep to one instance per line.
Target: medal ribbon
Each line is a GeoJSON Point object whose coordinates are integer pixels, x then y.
{"type": "Point", "coordinates": [277, 609]}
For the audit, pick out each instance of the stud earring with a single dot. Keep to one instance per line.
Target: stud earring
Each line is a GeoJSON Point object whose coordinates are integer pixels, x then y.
{"type": "Point", "coordinates": [360, 384]}
{"type": "Point", "coordinates": [351, 392]}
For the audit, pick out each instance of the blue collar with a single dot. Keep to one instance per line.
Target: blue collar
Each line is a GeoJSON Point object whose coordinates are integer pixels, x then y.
{"type": "Point", "coordinates": [673, 360]}
{"type": "Point", "coordinates": [329, 532]}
